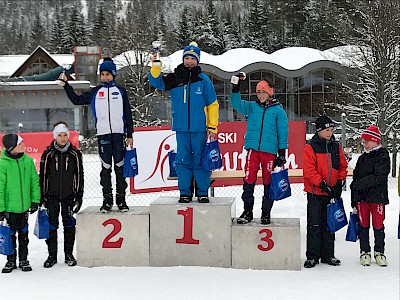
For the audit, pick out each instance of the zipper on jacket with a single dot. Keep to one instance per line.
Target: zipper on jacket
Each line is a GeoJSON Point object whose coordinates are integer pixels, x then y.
{"type": "Point", "coordinates": [188, 97]}
{"type": "Point", "coordinates": [329, 163]}
{"type": "Point", "coordinates": [20, 185]}
{"type": "Point", "coordinates": [109, 109]}
{"type": "Point", "coordinates": [61, 168]}
{"type": "Point", "coordinates": [262, 126]}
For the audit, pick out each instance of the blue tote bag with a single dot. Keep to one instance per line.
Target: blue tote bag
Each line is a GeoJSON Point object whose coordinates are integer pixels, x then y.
{"type": "Point", "coordinates": [171, 160]}
{"type": "Point", "coordinates": [212, 159]}
{"type": "Point", "coordinates": [42, 225]}
{"type": "Point", "coordinates": [6, 243]}
{"type": "Point", "coordinates": [279, 187]}
{"type": "Point", "coordinates": [131, 168]}
{"type": "Point", "coordinates": [352, 228]}
{"type": "Point", "coordinates": [336, 216]}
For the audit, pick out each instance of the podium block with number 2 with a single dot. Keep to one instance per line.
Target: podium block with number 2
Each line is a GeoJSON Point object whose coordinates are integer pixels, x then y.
{"type": "Point", "coordinates": [193, 234]}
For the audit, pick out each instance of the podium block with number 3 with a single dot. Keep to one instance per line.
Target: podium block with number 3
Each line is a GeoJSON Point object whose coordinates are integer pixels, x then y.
{"type": "Point", "coordinates": [272, 247]}
{"type": "Point", "coordinates": [113, 239]}
{"type": "Point", "coordinates": [193, 234]}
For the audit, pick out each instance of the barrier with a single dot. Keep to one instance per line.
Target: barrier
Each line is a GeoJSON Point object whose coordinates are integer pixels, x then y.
{"type": "Point", "coordinates": [113, 239]}
{"type": "Point", "coordinates": [272, 247]}
{"type": "Point", "coordinates": [193, 234]}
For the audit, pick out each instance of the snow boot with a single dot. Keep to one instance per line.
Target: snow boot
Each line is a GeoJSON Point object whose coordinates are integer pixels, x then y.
{"type": "Point", "coordinates": [107, 203]}
{"type": "Point", "coordinates": [332, 261]}
{"type": "Point", "coordinates": [121, 203]}
{"type": "Point", "coordinates": [265, 218]}
{"type": "Point", "coordinates": [365, 258]}
{"type": "Point", "coordinates": [311, 263]}
{"type": "Point", "coordinates": [184, 199]}
{"type": "Point", "coordinates": [9, 267]}
{"type": "Point", "coordinates": [70, 260]}
{"type": "Point", "coordinates": [24, 265]}
{"type": "Point", "coordinates": [245, 217]}
{"type": "Point", "coordinates": [203, 199]}
{"type": "Point", "coordinates": [50, 261]}
{"type": "Point", "coordinates": [380, 259]}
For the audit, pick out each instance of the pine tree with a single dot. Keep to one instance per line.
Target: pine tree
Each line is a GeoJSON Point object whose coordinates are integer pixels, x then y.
{"type": "Point", "coordinates": [38, 34]}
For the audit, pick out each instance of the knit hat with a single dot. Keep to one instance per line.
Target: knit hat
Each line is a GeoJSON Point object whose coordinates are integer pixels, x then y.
{"type": "Point", "coordinates": [109, 66]}
{"type": "Point", "coordinates": [324, 122]}
{"type": "Point", "coordinates": [60, 128]}
{"type": "Point", "coordinates": [372, 133]}
{"type": "Point", "coordinates": [11, 140]}
{"type": "Point", "coordinates": [192, 50]}
{"type": "Point", "coordinates": [264, 86]}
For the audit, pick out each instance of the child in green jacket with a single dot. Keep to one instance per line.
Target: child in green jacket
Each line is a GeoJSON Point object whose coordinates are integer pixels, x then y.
{"type": "Point", "coordinates": [19, 195]}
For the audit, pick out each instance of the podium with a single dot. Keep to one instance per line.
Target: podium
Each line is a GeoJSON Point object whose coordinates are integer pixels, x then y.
{"type": "Point", "coordinates": [192, 234]}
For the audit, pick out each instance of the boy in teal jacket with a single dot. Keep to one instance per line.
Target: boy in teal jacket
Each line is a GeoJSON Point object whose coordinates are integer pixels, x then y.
{"type": "Point", "coordinates": [19, 195]}
{"type": "Point", "coordinates": [266, 142]}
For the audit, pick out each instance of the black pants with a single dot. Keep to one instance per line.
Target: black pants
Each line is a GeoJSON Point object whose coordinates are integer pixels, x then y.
{"type": "Point", "coordinates": [69, 222]}
{"type": "Point", "coordinates": [320, 242]}
{"type": "Point", "coordinates": [248, 197]}
{"type": "Point", "coordinates": [18, 223]}
{"type": "Point", "coordinates": [112, 146]}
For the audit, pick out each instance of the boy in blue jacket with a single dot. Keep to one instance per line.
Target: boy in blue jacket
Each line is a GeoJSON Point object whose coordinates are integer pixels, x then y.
{"type": "Point", "coordinates": [266, 142]}
{"type": "Point", "coordinates": [194, 118]}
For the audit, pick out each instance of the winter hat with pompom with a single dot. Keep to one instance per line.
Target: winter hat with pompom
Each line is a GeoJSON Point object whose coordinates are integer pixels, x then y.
{"type": "Point", "coordinates": [192, 50]}
{"type": "Point", "coordinates": [372, 133]}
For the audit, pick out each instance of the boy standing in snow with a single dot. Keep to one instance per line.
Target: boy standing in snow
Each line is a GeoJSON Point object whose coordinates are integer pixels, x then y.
{"type": "Point", "coordinates": [194, 118]}
{"type": "Point", "coordinates": [61, 183]}
{"type": "Point", "coordinates": [19, 195]}
{"type": "Point", "coordinates": [113, 119]}
{"type": "Point", "coordinates": [369, 194]}
{"type": "Point", "coordinates": [324, 170]}
{"type": "Point", "coordinates": [266, 142]}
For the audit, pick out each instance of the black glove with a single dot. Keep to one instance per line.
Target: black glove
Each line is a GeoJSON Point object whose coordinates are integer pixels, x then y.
{"type": "Point", "coordinates": [353, 204]}
{"type": "Point", "coordinates": [2, 215]}
{"type": "Point", "coordinates": [280, 159]}
{"type": "Point", "coordinates": [77, 205]}
{"type": "Point", "coordinates": [34, 207]}
{"type": "Point", "coordinates": [337, 189]}
{"type": "Point", "coordinates": [235, 80]}
{"type": "Point", "coordinates": [326, 188]}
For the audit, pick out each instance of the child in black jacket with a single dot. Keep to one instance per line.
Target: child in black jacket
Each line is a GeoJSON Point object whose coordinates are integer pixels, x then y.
{"type": "Point", "coordinates": [369, 193]}
{"type": "Point", "coordinates": [61, 182]}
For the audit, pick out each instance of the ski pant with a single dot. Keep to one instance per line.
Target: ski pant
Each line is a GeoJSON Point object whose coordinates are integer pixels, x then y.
{"type": "Point", "coordinates": [320, 242]}
{"type": "Point", "coordinates": [112, 146]}
{"type": "Point", "coordinates": [377, 212]}
{"type": "Point", "coordinates": [191, 147]}
{"type": "Point", "coordinates": [253, 160]}
{"type": "Point", "coordinates": [18, 223]}
{"type": "Point", "coordinates": [53, 209]}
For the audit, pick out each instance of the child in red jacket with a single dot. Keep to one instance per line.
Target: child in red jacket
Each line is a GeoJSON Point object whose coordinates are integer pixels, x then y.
{"type": "Point", "coordinates": [324, 166]}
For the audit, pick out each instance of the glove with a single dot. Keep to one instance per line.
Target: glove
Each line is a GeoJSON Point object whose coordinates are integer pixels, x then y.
{"type": "Point", "coordinates": [2, 215]}
{"type": "Point", "coordinates": [34, 207]}
{"type": "Point", "coordinates": [62, 79]}
{"type": "Point", "coordinates": [353, 204]}
{"type": "Point", "coordinates": [326, 188]}
{"type": "Point", "coordinates": [280, 159]}
{"type": "Point", "coordinates": [77, 205]}
{"type": "Point", "coordinates": [337, 189]}
{"type": "Point", "coordinates": [235, 80]}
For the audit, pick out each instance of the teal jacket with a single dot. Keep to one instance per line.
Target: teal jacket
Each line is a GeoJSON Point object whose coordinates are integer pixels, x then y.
{"type": "Point", "coordinates": [19, 183]}
{"type": "Point", "coordinates": [267, 126]}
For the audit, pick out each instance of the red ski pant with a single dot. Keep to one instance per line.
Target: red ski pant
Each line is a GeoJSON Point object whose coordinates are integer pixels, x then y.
{"type": "Point", "coordinates": [376, 210]}
{"type": "Point", "coordinates": [253, 160]}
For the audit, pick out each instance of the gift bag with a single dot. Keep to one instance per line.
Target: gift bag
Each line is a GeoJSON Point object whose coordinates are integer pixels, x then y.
{"type": "Point", "coordinates": [336, 216]}
{"type": "Point", "coordinates": [6, 243]}
{"type": "Point", "coordinates": [279, 187]}
{"type": "Point", "coordinates": [171, 160]}
{"type": "Point", "coordinates": [130, 163]}
{"type": "Point", "coordinates": [42, 225]}
{"type": "Point", "coordinates": [352, 228]}
{"type": "Point", "coordinates": [212, 159]}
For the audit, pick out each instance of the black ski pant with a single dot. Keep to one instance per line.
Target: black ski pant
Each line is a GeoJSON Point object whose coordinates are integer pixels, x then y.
{"type": "Point", "coordinates": [320, 242]}
{"type": "Point", "coordinates": [248, 197]}
{"type": "Point", "coordinates": [18, 223]}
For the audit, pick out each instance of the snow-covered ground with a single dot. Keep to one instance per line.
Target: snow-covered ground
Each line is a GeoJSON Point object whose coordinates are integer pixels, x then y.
{"type": "Point", "coordinates": [348, 281]}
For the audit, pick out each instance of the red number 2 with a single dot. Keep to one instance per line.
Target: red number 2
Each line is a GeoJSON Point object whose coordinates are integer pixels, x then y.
{"type": "Point", "coordinates": [267, 239]}
{"type": "Point", "coordinates": [117, 228]}
{"type": "Point", "coordinates": [187, 227]}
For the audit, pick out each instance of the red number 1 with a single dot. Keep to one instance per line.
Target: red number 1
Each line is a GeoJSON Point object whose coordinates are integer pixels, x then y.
{"type": "Point", "coordinates": [117, 228]}
{"type": "Point", "coordinates": [187, 227]}
{"type": "Point", "coordinates": [267, 239]}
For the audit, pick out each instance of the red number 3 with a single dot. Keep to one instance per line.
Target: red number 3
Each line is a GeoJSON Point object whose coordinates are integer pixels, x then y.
{"type": "Point", "coordinates": [117, 228]}
{"type": "Point", "coordinates": [267, 239]}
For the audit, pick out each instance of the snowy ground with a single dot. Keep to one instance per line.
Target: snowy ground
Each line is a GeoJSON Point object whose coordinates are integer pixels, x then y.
{"type": "Point", "coordinates": [349, 281]}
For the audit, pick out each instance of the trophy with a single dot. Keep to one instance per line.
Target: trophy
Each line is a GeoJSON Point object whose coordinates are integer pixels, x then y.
{"type": "Point", "coordinates": [156, 64]}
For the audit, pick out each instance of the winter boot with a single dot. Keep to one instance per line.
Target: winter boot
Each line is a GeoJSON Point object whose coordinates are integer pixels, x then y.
{"type": "Point", "coordinates": [121, 203]}
{"type": "Point", "coordinates": [365, 258]}
{"type": "Point", "coordinates": [184, 199]}
{"type": "Point", "coordinates": [24, 265]}
{"type": "Point", "coordinates": [203, 199]}
{"type": "Point", "coordinates": [9, 267]}
{"type": "Point", "coordinates": [245, 217]}
{"type": "Point", "coordinates": [50, 261]}
{"type": "Point", "coordinates": [380, 259]}
{"type": "Point", "coordinates": [107, 203]}
{"type": "Point", "coordinates": [265, 218]}
{"type": "Point", "coordinates": [70, 260]}
{"type": "Point", "coordinates": [332, 261]}
{"type": "Point", "coordinates": [311, 263]}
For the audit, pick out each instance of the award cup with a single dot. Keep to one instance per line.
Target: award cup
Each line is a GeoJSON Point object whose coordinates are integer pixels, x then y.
{"type": "Point", "coordinates": [156, 64]}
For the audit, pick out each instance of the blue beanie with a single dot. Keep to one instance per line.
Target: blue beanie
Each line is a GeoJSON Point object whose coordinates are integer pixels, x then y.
{"type": "Point", "coordinates": [108, 65]}
{"type": "Point", "coordinates": [192, 50]}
